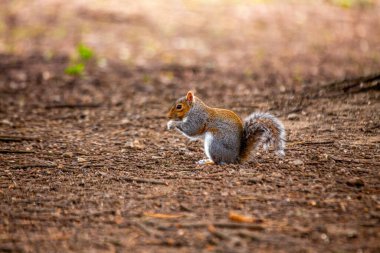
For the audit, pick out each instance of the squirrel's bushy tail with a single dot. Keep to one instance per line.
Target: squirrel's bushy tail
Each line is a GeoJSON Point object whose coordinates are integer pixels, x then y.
{"type": "Point", "coordinates": [262, 129]}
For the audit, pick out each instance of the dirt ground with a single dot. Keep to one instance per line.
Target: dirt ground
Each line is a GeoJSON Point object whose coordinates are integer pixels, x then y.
{"type": "Point", "coordinates": [86, 162]}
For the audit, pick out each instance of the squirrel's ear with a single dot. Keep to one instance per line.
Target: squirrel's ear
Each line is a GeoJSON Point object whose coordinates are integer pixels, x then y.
{"type": "Point", "coordinates": [190, 97]}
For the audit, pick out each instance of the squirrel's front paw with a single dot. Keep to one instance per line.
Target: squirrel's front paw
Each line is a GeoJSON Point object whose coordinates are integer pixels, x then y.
{"type": "Point", "coordinates": [171, 124]}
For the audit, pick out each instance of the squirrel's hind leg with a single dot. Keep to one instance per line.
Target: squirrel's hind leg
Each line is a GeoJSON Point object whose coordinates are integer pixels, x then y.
{"type": "Point", "coordinates": [205, 162]}
{"type": "Point", "coordinates": [221, 150]}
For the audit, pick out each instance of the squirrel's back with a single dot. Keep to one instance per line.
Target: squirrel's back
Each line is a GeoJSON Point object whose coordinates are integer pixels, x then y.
{"type": "Point", "coordinates": [224, 116]}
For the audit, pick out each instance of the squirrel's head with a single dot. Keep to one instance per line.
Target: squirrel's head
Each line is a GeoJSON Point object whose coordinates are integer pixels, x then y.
{"type": "Point", "coordinates": [181, 107]}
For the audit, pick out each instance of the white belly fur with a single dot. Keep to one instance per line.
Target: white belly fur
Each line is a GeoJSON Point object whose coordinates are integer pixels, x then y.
{"type": "Point", "coordinates": [208, 140]}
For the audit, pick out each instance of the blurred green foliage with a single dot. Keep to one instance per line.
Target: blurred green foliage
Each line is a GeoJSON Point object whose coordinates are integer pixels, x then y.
{"type": "Point", "coordinates": [75, 69]}
{"type": "Point", "coordinates": [78, 66]}
{"type": "Point", "coordinates": [352, 3]}
{"type": "Point", "coordinates": [84, 52]}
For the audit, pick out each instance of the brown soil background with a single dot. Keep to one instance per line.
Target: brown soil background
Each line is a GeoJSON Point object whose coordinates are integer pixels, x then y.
{"type": "Point", "coordinates": [87, 165]}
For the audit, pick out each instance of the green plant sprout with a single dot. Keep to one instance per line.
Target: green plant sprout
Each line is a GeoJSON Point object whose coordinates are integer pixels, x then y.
{"type": "Point", "coordinates": [78, 66]}
{"type": "Point", "coordinates": [75, 69]}
{"type": "Point", "coordinates": [85, 53]}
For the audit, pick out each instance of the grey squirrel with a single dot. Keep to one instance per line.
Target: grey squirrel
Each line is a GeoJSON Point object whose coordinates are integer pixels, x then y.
{"type": "Point", "coordinates": [227, 139]}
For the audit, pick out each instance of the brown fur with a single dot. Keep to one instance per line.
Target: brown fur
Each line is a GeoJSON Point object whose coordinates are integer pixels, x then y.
{"type": "Point", "coordinates": [226, 115]}
{"type": "Point", "coordinates": [214, 113]}
{"type": "Point", "coordinates": [202, 130]}
{"type": "Point", "coordinates": [176, 114]}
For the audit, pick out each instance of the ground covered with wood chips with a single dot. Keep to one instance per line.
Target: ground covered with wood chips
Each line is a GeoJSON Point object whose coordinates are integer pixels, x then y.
{"type": "Point", "coordinates": [86, 162]}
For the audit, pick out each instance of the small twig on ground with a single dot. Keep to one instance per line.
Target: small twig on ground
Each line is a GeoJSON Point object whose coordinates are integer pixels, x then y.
{"type": "Point", "coordinates": [273, 239]}
{"type": "Point", "coordinates": [7, 151]}
{"type": "Point", "coordinates": [194, 178]}
{"type": "Point", "coordinates": [26, 166]}
{"type": "Point", "coordinates": [89, 165]}
{"type": "Point", "coordinates": [228, 225]}
{"type": "Point", "coordinates": [185, 208]}
{"type": "Point", "coordinates": [217, 233]}
{"type": "Point", "coordinates": [163, 215]}
{"type": "Point", "coordinates": [73, 106]}
{"type": "Point", "coordinates": [142, 180]}
{"type": "Point", "coordinates": [363, 161]}
{"type": "Point", "coordinates": [146, 229]}
{"type": "Point", "coordinates": [355, 85]}
{"type": "Point", "coordinates": [311, 143]}
{"type": "Point", "coordinates": [7, 138]}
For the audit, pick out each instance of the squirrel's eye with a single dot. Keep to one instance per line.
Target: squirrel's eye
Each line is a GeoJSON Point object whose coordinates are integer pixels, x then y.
{"type": "Point", "coordinates": [179, 107]}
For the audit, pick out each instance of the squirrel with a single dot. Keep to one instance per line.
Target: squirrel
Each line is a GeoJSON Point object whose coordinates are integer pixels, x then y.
{"type": "Point", "coordinates": [227, 138]}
